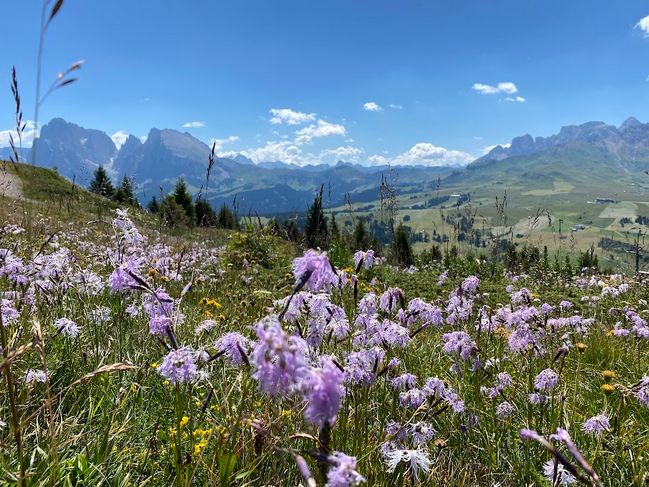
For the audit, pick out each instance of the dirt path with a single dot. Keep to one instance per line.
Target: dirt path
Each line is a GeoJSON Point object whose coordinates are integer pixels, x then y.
{"type": "Point", "coordinates": [10, 184]}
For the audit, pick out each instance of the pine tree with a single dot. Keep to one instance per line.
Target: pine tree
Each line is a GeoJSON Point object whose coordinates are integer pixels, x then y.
{"type": "Point", "coordinates": [334, 231]}
{"type": "Point", "coordinates": [181, 196]}
{"type": "Point", "coordinates": [315, 228]}
{"type": "Point", "coordinates": [205, 216]}
{"type": "Point", "coordinates": [153, 206]}
{"type": "Point", "coordinates": [226, 218]}
{"type": "Point", "coordinates": [172, 213]}
{"type": "Point", "coordinates": [360, 236]}
{"type": "Point", "coordinates": [401, 248]}
{"type": "Point", "coordinates": [125, 193]}
{"type": "Point", "coordinates": [101, 184]}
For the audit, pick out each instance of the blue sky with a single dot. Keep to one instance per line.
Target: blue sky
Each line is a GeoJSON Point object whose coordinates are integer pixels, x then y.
{"type": "Point", "coordinates": [410, 81]}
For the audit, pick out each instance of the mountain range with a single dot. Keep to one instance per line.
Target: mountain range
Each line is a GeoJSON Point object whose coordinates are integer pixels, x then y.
{"type": "Point", "coordinates": [577, 152]}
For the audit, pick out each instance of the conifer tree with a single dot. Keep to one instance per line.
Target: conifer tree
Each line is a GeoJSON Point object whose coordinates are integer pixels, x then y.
{"type": "Point", "coordinates": [401, 248]}
{"type": "Point", "coordinates": [181, 196]}
{"type": "Point", "coordinates": [125, 193]}
{"type": "Point", "coordinates": [226, 218]}
{"type": "Point", "coordinates": [101, 183]}
{"type": "Point", "coordinates": [205, 216]}
{"type": "Point", "coordinates": [361, 236]}
{"type": "Point", "coordinates": [153, 206]}
{"type": "Point", "coordinates": [315, 228]}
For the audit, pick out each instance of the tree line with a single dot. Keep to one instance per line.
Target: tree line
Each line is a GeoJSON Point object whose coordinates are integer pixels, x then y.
{"type": "Point", "coordinates": [175, 209]}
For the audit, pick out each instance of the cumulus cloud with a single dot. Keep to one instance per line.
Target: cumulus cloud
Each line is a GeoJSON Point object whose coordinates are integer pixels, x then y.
{"type": "Point", "coordinates": [378, 160]}
{"type": "Point", "coordinates": [503, 87]}
{"type": "Point", "coordinates": [426, 154]}
{"type": "Point", "coordinates": [283, 151]}
{"type": "Point", "coordinates": [29, 134]}
{"type": "Point", "coordinates": [343, 153]}
{"type": "Point", "coordinates": [396, 106]}
{"type": "Point", "coordinates": [322, 129]}
{"type": "Point", "coordinates": [517, 99]}
{"type": "Point", "coordinates": [371, 106]}
{"type": "Point", "coordinates": [281, 116]}
{"type": "Point", "coordinates": [219, 143]}
{"type": "Point", "coordinates": [119, 138]}
{"type": "Point", "coordinates": [197, 124]}
{"type": "Point", "coordinates": [643, 24]}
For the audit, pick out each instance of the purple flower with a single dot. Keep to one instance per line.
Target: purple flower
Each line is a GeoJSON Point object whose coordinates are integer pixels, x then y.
{"type": "Point", "coordinates": [421, 433]}
{"type": "Point", "coordinates": [324, 394]}
{"type": "Point", "coordinates": [342, 472]}
{"type": "Point", "coordinates": [205, 326]}
{"type": "Point", "coordinates": [66, 327]}
{"type": "Point", "coordinates": [504, 410]}
{"type": "Point", "coordinates": [470, 285]}
{"type": "Point", "coordinates": [596, 425]}
{"type": "Point", "coordinates": [315, 268]}
{"type": "Point", "coordinates": [366, 257]}
{"type": "Point", "coordinates": [235, 346]}
{"type": "Point", "coordinates": [537, 399]}
{"type": "Point", "coordinates": [404, 381]}
{"type": "Point", "coordinates": [391, 299]}
{"type": "Point", "coordinates": [179, 366]}
{"type": "Point", "coordinates": [361, 366]}
{"type": "Point", "coordinates": [557, 474]}
{"type": "Point", "coordinates": [503, 380]}
{"type": "Point", "coordinates": [442, 278]}
{"type": "Point", "coordinates": [35, 375]}
{"type": "Point", "coordinates": [546, 308]}
{"type": "Point", "coordinates": [565, 305]}
{"type": "Point", "coordinates": [425, 312]}
{"type": "Point", "coordinates": [367, 304]}
{"type": "Point", "coordinates": [280, 360]}
{"type": "Point", "coordinates": [160, 307]}
{"type": "Point", "coordinates": [546, 380]}
{"type": "Point", "coordinates": [458, 342]}
{"type": "Point", "coordinates": [9, 312]}
{"type": "Point", "coordinates": [642, 393]}
{"type": "Point", "coordinates": [412, 398]}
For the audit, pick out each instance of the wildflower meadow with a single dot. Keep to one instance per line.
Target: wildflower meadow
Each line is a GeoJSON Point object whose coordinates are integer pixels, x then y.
{"type": "Point", "coordinates": [131, 359]}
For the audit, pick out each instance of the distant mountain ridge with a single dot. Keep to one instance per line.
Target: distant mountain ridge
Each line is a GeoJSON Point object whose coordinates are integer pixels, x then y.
{"type": "Point", "coordinates": [166, 154]}
{"type": "Point", "coordinates": [631, 139]}
{"type": "Point", "coordinates": [575, 153]}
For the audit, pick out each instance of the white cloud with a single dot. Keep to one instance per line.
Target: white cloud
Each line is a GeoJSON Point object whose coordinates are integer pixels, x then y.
{"type": "Point", "coordinates": [119, 138]}
{"type": "Point", "coordinates": [503, 87]}
{"type": "Point", "coordinates": [371, 106]}
{"type": "Point", "coordinates": [322, 129]}
{"type": "Point", "coordinates": [197, 124]}
{"type": "Point", "coordinates": [284, 151]}
{"type": "Point", "coordinates": [343, 153]}
{"type": "Point", "coordinates": [221, 142]}
{"type": "Point", "coordinates": [489, 148]}
{"type": "Point", "coordinates": [29, 134]}
{"type": "Point", "coordinates": [485, 89]}
{"type": "Point", "coordinates": [396, 106]}
{"type": "Point", "coordinates": [287, 116]}
{"type": "Point", "coordinates": [426, 154]}
{"type": "Point", "coordinates": [378, 160]}
{"type": "Point", "coordinates": [643, 23]}
{"type": "Point", "coordinates": [518, 99]}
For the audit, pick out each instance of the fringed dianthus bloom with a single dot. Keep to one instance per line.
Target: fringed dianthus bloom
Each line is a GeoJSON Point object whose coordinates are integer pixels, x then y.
{"type": "Point", "coordinates": [324, 392]}
{"type": "Point", "coordinates": [315, 268]}
{"type": "Point", "coordinates": [179, 366]}
{"type": "Point", "coordinates": [342, 472]}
